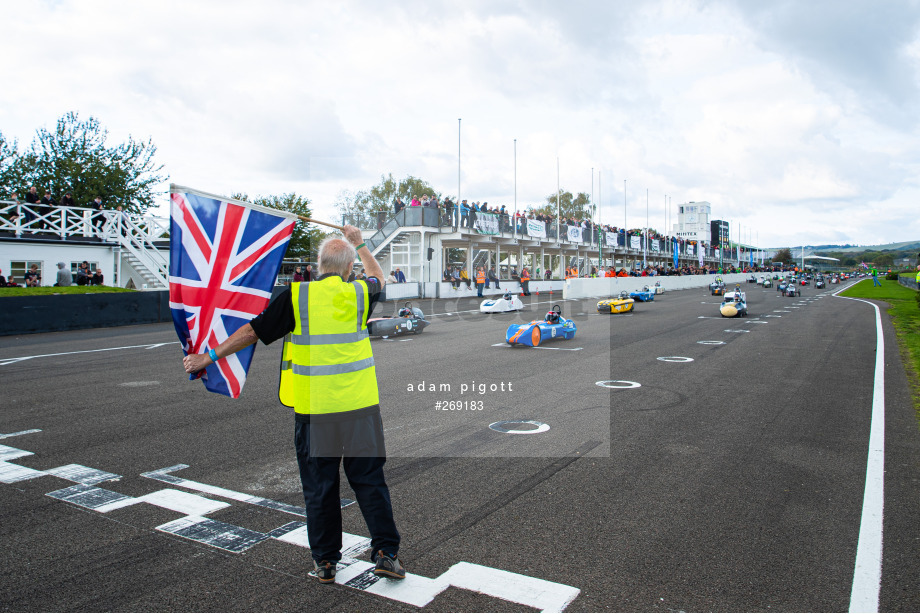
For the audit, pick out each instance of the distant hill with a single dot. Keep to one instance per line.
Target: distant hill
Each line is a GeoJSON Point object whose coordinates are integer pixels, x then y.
{"type": "Point", "coordinates": [903, 246]}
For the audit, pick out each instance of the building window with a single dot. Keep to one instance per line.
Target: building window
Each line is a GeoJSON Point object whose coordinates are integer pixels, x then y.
{"type": "Point", "coordinates": [18, 269]}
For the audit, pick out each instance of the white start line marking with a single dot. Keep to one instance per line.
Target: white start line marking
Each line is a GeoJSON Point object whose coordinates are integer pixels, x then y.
{"type": "Point", "coordinates": [353, 573]}
{"type": "Point", "coordinates": [149, 346]}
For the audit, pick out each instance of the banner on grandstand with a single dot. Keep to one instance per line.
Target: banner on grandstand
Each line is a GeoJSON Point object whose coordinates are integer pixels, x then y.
{"type": "Point", "coordinates": [717, 252]}
{"type": "Point", "coordinates": [575, 234]}
{"type": "Point", "coordinates": [612, 239]}
{"type": "Point", "coordinates": [487, 223]}
{"type": "Point", "coordinates": [699, 252]}
{"type": "Point", "coordinates": [676, 251]}
{"type": "Point", "coordinates": [635, 242]}
{"type": "Point", "coordinates": [690, 248]}
{"type": "Point", "coordinates": [656, 245]}
{"type": "Point", "coordinates": [536, 228]}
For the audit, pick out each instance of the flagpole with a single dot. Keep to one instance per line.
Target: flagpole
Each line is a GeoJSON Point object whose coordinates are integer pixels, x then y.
{"type": "Point", "coordinates": [312, 221]}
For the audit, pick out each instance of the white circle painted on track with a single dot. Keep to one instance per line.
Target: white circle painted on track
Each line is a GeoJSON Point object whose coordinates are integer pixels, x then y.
{"type": "Point", "coordinates": [674, 359]}
{"type": "Point", "coordinates": [736, 330]}
{"type": "Point", "coordinates": [501, 427]}
{"type": "Point", "coordinates": [710, 343]}
{"type": "Point", "coordinates": [621, 383]}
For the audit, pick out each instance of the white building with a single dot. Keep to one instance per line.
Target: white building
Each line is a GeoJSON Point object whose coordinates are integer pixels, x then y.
{"type": "Point", "coordinates": [693, 221]}
{"type": "Point", "coordinates": [129, 250]}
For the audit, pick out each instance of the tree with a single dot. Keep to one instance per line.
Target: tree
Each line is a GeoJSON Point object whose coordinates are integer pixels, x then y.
{"type": "Point", "coordinates": [883, 261]}
{"type": "Point", "coordinates": [306, 238]}
{"type": "Point", "coordinates": [783, 255]}
{"type": "Point", "coordinates": [75, 157]}
{"type": "Point", "coordinates": [12, 177]}
{"type": "Point", "coordinates": [578, 207]}
{"type": "Point", "coordinates": [359, 208]}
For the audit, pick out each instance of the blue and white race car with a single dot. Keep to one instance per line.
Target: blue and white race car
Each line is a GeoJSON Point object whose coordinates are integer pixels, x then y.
{"type": "Point", "coordinates": [508, 302]}
{"type": "Point", "coordinates": [553, 326]}
{"type": "Point", "coordinates": [644, 295]}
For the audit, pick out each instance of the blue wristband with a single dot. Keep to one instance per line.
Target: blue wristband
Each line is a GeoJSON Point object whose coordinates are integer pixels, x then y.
{"type": "Point", "coordinates": [213, 355]}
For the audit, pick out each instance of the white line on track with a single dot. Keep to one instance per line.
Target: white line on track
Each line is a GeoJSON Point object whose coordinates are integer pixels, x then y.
{"type": "Point", "coordinates": [553, 302]}
{"type": "Point", "coordinates": [149, 346]}
{"type": "Point", "coordinates": [867, 572]}
{"type": "Point", "coordinates": [539, 347]}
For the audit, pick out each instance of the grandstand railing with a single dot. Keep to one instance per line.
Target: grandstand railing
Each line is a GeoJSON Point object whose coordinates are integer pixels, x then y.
{"type": "Point", "coordinates": [132, 232]}
{"type": "Point", "coordinates": [385, 224]}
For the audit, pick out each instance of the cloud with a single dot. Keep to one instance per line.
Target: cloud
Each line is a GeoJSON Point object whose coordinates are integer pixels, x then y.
{"type": "Point", "coordinates": [783, 114]}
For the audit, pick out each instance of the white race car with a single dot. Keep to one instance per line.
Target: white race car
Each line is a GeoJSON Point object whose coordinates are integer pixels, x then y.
{"type": "Point", "coordinates": [508, 302]}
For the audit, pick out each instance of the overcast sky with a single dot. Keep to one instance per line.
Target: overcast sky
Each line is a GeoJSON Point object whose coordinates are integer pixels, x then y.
{"type": "Point", "coordinates": [797, 120]}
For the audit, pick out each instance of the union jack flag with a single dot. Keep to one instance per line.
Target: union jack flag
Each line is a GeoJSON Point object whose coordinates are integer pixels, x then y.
{"type": "Point", "coordinates": [224, 256]}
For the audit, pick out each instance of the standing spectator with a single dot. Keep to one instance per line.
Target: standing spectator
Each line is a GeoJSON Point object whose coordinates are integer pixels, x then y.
{"type": "Point", "coordinates": [400, 276]}
{"type": "Point", "coordinates": [32, 199]}
{"type": "Point", "coordinates": [473, 214]}
{"type": "Point", "coordinates": [98, 218]}
{"type": "Point", "coordinates": [68, 201]}
{"type": "Point", "coordinates": [64, 277]}
{"type": "Point", "coordinates": [308, 274]}
{"type": "Point", "coordinates": [875, 281]}
{"type": "Point", "coordinates": [337, 413]}
{"type": "Point", "coordinates": [449, 208]}
{"type": "Point", "coordinates": [14, 211]}
{"type": "Point", "coordinates": [525, 281]}
{"type": "Point", "coordinates": [47, 202]}
{"type": "Point", "coordinates": [391, 278]}
{"type": "Point", "coordinates": [2, 279]}
{"type": "Point", "coordinates": [480, 281]}
{"type": "Point", "coordinates": [398, 205]}
{"type": "Point", "coordinates": [298, 276]}
{"type": "Point", "coordinates": [464, 212]}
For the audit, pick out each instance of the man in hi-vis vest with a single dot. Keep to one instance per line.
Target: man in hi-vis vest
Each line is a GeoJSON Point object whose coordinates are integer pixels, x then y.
{"type": "Point", "coordinates": [328, 377]}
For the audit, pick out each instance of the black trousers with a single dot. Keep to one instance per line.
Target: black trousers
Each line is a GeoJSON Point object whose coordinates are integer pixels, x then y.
{"type": "Point", "coordinates": [319, 477]}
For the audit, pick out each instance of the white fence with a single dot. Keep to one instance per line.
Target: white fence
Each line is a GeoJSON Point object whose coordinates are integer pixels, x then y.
{"type": "Point", "coordinates": [135, 234]}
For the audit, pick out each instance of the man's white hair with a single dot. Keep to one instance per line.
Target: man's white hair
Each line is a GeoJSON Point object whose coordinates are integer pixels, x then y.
{"type": "Point", "coordinates": [336, 255]}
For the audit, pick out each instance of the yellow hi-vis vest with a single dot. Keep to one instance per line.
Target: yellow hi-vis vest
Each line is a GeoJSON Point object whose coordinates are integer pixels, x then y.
{"type": "Point", "coordinates": [327, 366]}
{"type": "Point", "coordinates": [918, 278]}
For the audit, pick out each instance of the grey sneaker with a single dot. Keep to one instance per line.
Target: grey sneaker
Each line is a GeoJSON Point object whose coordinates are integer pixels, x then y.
{"type": "Point", "coordinates": [325, 571]}
{"type": "Point", "coordinates": [389, 566]}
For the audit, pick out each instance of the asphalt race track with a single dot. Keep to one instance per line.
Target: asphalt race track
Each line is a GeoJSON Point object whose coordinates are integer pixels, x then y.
{"type": "Point", "coordinates": [727, 477]}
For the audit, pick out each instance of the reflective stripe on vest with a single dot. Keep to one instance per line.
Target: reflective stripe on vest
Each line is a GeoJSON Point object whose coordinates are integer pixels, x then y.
{"type": "Point", "coordinates": [327, 366]}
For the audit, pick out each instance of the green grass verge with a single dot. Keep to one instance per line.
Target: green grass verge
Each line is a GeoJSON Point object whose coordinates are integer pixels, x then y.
{"type": "Point", "coordinates": [68, 290]}
{"type": "Point", "coordinates": [905, 315]}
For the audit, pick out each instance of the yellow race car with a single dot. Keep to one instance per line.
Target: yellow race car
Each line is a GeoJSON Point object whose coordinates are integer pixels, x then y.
{"type": "Point", "coordinates": [621, 304]}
